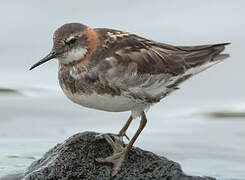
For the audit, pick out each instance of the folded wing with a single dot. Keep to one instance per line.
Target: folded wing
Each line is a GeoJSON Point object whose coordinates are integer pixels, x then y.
{"type": "Point", "coordinates": [149, 70]}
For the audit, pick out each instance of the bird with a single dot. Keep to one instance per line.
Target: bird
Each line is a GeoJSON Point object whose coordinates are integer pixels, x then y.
{"type": "Point", "coordinates": [116, 71]}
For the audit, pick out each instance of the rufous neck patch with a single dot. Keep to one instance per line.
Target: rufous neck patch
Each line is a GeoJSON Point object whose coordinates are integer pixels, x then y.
{"type": "Point", "coordinates": [93, 40]}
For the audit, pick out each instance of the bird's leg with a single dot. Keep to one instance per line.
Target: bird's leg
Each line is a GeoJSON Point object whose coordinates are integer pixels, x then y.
{"type": "Point", "coordinates": [120, 153]}
{"type": "Point", "coordinates": [121, 133]}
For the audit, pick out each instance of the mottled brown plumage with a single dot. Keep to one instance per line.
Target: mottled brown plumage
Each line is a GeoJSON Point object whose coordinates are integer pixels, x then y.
{"type": "Point", "coordinates": [115, 71]}
{"type": "Point", "coordinates": [115, 60]}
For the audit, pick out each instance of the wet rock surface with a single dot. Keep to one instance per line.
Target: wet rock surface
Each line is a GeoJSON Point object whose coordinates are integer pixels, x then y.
{"type": "Point", "coordinates": [75, 159]}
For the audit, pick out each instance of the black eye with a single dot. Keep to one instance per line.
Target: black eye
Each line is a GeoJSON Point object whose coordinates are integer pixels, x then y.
{"type": "Point", "coordinates": [71, 41]}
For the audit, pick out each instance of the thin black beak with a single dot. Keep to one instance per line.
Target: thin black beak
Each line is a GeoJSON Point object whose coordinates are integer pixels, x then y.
{"type": "Point", "coordinates": [50, 56]}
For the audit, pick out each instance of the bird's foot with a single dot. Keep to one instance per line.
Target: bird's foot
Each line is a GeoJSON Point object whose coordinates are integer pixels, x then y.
{"type": "Point", "coordinates": [115, 136]}
{"type": "Point", "coordinates": [119, 153]}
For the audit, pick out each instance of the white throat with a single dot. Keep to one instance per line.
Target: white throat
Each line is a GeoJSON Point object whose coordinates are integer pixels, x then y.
{"type": "Point", "coordinates": [73, 55]}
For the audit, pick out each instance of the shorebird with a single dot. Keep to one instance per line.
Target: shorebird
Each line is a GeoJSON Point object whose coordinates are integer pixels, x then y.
{"type": "Point", "coordinates": [117, 71]}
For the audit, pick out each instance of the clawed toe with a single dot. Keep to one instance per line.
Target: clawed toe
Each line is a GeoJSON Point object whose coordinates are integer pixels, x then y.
{"type": "Point", "coordinates": [102, 135]}
{"type": "Point", "coordinates": [116, 159]}
{"type": "Point", "coordinates": [113, 158]}
{"type": "Point", "coordinates": [119, 152]}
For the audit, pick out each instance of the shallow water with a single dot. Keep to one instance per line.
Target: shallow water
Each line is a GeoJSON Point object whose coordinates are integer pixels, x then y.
{"type": "Point", "coordinates": [36, 120]}
{"type": "Point", "coordinates": [201, 126]}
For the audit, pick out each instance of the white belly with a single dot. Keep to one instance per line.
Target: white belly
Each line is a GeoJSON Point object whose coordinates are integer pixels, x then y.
{"type": "Point", "coordinates": [103, 102]}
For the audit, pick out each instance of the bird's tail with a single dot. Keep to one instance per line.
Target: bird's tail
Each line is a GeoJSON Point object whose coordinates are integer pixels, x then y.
{"type": "Point", "coordinates": [200, 58]}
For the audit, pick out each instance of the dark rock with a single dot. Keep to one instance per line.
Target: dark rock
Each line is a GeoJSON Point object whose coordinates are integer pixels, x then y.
{"type": "Point", "coordinates": [75, 159]}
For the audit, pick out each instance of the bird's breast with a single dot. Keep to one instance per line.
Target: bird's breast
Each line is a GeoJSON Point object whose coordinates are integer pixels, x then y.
{"type": "Point", "coordinates": [104, 102]}
{"type": "Point", "coordinates": [86, 89]}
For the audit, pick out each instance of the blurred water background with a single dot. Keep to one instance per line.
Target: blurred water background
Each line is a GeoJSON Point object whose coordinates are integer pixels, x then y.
{"type": "Point", "coordinates": [201, 126]}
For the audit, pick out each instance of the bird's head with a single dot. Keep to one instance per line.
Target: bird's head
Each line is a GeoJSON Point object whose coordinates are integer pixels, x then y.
{"type": "Point", "coordinates": [71, 42]}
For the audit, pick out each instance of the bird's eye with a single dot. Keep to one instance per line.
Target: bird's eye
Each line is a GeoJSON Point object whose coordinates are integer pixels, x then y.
{"type": "Point", "coordinates": [71, 41]}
